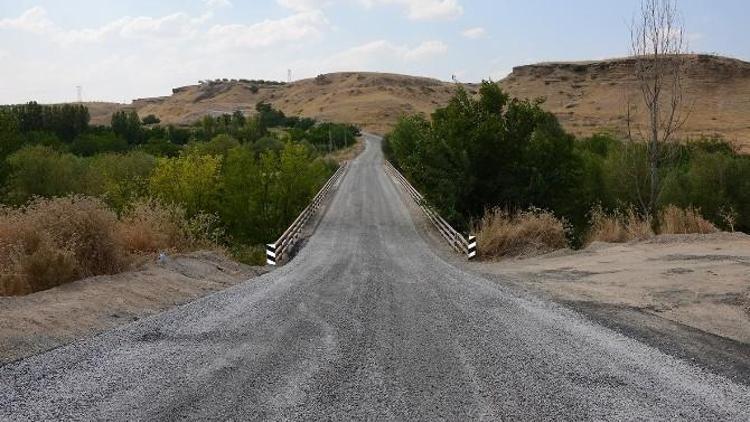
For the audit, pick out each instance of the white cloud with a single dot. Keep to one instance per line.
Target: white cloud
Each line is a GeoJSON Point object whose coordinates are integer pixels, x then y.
{"type": "Point", "coordinates": [300, 26]}
{"type": "Point", "coordinates": [216, 4]}
{"type": "Point", "coordinates": [304, 5]}
{"type": "Point", "coordinates": [474, 33]}
{"type": "Point", "coordinates": [177, 27]}
{"type": "Point", "coordinates": [34, 20]}
{"type": "Point", "coordinates": [426, 50]}
{"type": "Point", "coordinates": [416, 9]}
{"type": "Point", "coordinates": [145, 55]}
{"type": "Point", "coordinates": [376, 53]}
{"type": "Point", "coordinates": [424, 9]}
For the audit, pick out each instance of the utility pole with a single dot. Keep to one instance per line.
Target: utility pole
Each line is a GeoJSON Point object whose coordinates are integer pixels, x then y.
{"type": "Point", "coordinates": [79, 91]}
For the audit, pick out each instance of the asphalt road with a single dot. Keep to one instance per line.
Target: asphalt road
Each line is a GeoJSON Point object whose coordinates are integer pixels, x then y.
{"type": "Point", "coordinates": [365, 323]}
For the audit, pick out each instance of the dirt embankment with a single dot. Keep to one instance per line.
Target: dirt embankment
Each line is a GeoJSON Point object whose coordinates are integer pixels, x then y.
{"type": "Point", "coordinates": [701, 281]}
{"type": "Point", "coordinates": [44, 320]}
{"type": "Point", "coordinates": [687, 295]}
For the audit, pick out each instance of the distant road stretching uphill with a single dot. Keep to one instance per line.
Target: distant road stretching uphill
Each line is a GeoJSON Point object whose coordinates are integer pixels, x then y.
{"type": "Point", "coordinates": [365, 323]}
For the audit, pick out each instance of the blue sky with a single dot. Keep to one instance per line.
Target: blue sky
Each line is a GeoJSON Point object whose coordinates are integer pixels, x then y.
{"type": "Point", "coordinates": [120, 50]}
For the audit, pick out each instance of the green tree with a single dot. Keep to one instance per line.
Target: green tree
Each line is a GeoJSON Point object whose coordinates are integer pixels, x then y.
{"type": "Point", "coordinates": [127, 125]}
{"type": "Point", "coordinates": [119, 179]}
{"type": "Point", "coordinates": [218, 146]}
{"type": "Point", "coordinates": [151, 120]}
{"type": "Point", "coordinates": [191, 180]}
{"type": "Point", "coordinates": [42, 171]}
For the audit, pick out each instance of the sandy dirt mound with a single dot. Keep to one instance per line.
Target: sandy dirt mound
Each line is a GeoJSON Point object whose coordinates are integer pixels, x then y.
{"type": "Point", "coordinates": [48, 319]}
{"type": "Point", "coordinates": [702, 281]}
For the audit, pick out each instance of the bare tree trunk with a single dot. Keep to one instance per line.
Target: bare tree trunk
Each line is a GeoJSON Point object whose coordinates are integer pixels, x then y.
{"type": "Point", "coordinates": [658, 47]}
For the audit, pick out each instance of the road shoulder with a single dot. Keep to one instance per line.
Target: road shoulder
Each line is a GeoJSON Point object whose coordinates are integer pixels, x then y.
{"type": "Point", "coordinates": [49, 319]}
{"type": "Point", "coordinates": [659, 315]}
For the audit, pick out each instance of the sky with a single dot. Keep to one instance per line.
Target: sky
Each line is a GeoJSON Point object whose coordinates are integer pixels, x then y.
{"type": "Point", "coordinates": [120, 50]}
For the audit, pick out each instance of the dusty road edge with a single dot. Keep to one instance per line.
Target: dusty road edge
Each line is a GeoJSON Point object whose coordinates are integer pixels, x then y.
{"type": "Point", "coordinates": [719, 355]}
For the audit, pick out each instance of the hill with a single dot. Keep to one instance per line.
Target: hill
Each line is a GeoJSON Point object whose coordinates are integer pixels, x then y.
{"type": "Point", "coordinates": [590, 96]}
{"type": "Point", "coordinates": [371, 100]}
{"type": "Point", "coordinates": [586, 96]}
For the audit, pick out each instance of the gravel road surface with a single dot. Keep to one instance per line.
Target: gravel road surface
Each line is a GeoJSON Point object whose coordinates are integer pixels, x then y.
{"type": "Point", "coordinates": [365, 323]}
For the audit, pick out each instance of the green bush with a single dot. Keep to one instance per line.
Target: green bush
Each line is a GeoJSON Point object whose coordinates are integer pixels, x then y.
{"type": "Point", "coordinates": [487, 152]}
{"type": "Point", "coordinates": [151, 120]}
{"type": "Point", "coordinates": [219, 145]}
{"type": "Point", "coordinates": [120, 179]}
{"type": "Point", "coordinates": [42, 171]}
{"type": "Point", "coordinates": [90, 144]}
{"type": "Point", "coordinates": [191, 180]}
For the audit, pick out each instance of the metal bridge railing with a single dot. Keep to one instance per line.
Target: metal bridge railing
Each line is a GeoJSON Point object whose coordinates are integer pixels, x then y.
{"type": "Point", "coordinates": [277, 251]}
{"type": "Point", "coordinates": [461, 244]}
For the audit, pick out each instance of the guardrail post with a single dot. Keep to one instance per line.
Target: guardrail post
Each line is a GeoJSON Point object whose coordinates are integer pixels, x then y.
{"type": "Point", "coordinates": [472, 247]}
{"type": "Point", "coordinates": [271, 254]}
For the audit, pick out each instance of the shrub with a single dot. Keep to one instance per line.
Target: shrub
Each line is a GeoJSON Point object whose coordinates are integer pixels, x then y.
{"type": "Point", "coordinates": [119, 179]}
{"type": "Point", "coordinates": [531, 232]}
{"type": "Point", "coordinates": [90, 144]}
{"type": "Point", "coordinates": [249, 254]}
{"type": "Point", "coordinates": [618, 227]}
{"type": "Point", "coordinates": [218, 146]}
{"type": "Point", "coordinates": [42, 171]}
{"type": "Point", "coordinates": [191, 180]}
{"type": "Point", "coordinates": [161, 147]}
{"type": "Point", "coordinates": [674, 220]}
{"type": "Point", "coordinates": [151, 120]}
{"type": "Point", "coordinates": [53, 241]}
{"type": "Point", "coordinates": [150, 225]}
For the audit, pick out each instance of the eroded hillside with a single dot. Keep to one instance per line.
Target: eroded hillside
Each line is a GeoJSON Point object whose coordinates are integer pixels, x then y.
{"type": "Point", "coordinates": [591, 96]}
{"type": "Point", "coordinates": [586, 96]}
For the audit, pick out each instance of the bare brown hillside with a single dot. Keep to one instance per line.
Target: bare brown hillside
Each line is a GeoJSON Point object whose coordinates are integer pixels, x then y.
{"type": "Point", "coordinates": [591, 96]}
{"type": "Point", "coordinates": [372, 100]}
{"type": "Point", "coordinates": [586, 96]}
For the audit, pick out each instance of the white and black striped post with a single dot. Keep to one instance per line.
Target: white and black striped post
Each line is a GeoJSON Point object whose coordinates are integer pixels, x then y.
{"type": "Point", "coordinates": [471, 251]}
{"type": "Point", "coordinates": [271, 254]}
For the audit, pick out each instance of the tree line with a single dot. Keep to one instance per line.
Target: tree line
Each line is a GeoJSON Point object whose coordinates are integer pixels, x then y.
{"type": "Point", "coordinates": [491, 151]}
{"type": "Point", "coordinates": [252, 173]}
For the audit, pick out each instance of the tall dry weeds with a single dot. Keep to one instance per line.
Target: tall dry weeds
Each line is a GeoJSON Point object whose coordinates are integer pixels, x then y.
{"type": "Point", "coordinates": [674, 220]}
{"type": "Point", "coordinates": [618, 227]}
{"type": "Point", "coordinates": [149, 226]}
{"type": "Point", "coordinates": [532, 232]}
{"type": "Point", "coordinates": [55, 241]}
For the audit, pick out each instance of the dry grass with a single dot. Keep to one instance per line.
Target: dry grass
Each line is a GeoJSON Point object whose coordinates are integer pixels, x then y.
{"type": "Point", "coordinates": [149, 226]}
{"type": "Point", "coordinates": [53, 241]}
{"type": "Point", "coordinates": [50, 242]}
{"type": "Point", "coordinates": [674, 220]}
{"type": "Point", "coordinates": [527, 233]}
{"type": "Point", "coordinates": [618, 227]}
